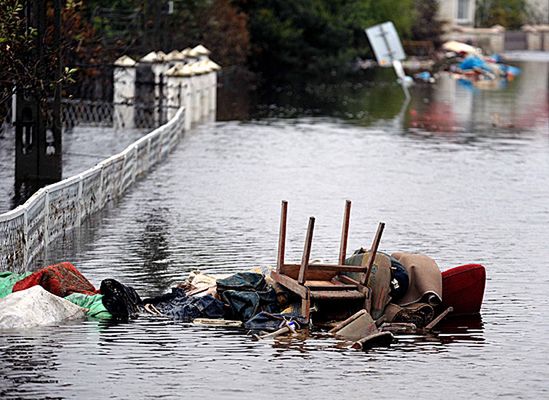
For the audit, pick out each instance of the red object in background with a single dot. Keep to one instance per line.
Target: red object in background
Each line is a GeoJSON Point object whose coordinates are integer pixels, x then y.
{"type": "Point", "coordinates": [60, 279]}
{"type": "Point", "coordinates": [463, 288]}
{"type": "Point", "coordinates": [436, 117]}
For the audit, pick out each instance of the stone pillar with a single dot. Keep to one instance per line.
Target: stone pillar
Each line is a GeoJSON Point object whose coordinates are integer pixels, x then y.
{"type": "Point", "coordinates": [200, 52]}
{"type": "Point", "coordinates": [497, 39]}
{"type": "Point", "coordinates": [533, 37]}
{"type": "Point", "coordinates": [187, 101]}
{"type": "Point", "coordinates": [195, 93]}
{"type": "Point", "coordinates": [178, 91]}
{"type": "Point", "coordinates": [173, 90]}
{"type": "Point", "coordinates": [205, 100]}
{"type": "Point", "coordinates": [213, 85]}
{"type": "Point", "coordinates": [124, 93]}
{"type": "Point", "coordinates": [158, 66]}
{"type": "Point", "coordinates": [174, 57]}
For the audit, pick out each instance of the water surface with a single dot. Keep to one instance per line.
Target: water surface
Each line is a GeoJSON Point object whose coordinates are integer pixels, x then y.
{"type": "Point", "coordinates": [459, 174]}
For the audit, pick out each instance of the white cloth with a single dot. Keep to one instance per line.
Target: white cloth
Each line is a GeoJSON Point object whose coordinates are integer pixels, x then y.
{"type": "Point", "coordinates": [36, 307]}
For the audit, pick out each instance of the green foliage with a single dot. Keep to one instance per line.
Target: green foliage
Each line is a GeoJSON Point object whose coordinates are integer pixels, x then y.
{"type": "Point", "coordinates": [16, 40]}
{"type": "Point", "coordinates": [511, 14]}
{"type": "Point", "coordinates": [316, 36]}
{"type": "Point", "coordinates": [216, 24]}
{"type": "Point", "coordinates": [136, 27]}
{"type": "Point", "coordinates": [35, 72]}
{"type": "Point", "coordinates": [426, 25]}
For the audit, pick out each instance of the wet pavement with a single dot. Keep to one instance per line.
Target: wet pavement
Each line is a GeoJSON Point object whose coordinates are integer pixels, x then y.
{"type": "Point", "coordinates": [457, 173]}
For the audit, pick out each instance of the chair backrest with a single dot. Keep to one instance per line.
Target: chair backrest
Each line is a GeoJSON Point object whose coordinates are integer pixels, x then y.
{"type": "Point", "coordinates": [302, 271]}
{"type": "Point", "coordinates": [308, 239]}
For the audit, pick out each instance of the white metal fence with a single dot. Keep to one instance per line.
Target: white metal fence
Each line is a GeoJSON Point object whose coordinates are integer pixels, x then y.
{"type": "Point", "coordinates": [53, 210]}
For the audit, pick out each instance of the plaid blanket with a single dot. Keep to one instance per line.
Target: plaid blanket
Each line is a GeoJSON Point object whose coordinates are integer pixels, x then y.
{"type": "Point", "coordinates": [60, 279]}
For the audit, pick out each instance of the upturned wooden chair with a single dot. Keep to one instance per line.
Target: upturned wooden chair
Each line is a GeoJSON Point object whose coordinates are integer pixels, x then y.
{"type": "Point", "coordinates": [323, 282]}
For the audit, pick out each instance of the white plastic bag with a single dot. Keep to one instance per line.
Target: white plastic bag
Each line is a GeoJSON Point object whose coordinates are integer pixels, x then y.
{"type": "Point", "coordinates": [35, 307]}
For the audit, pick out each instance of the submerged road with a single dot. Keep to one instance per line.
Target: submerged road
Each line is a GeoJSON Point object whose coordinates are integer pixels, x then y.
{"type": "Point", "coordinates": [450, 179]}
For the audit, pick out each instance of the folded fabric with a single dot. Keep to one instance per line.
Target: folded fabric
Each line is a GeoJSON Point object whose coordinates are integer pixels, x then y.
{"type": "Point", "coordinates": [245, 304]}
{"type": "Point", "coordinates": [185, 308]}
{"type": "Point", "coordinates": [379, 280]}
{"type": "Point", "coordinates": [92, 303]}
{"type": "Point", "coordinates": [247, 293]}
{"type": "Point", "coordinates": [60, 279]}
{"type": "Point", "coordinates": [425, 279]}
{"type": "Point", "coordinates": [120, 300]}
{"type": "Point", "coordinates": [242, 281]}
{"type": "Point", "coordinates": [36, 307]}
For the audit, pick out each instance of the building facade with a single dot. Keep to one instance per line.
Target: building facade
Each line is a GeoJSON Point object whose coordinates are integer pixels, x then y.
{"type": "Point", "coordinates": [457, 12]}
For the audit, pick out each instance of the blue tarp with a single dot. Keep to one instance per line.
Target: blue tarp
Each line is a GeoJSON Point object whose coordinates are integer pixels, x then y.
{"type": "Point", "coordinates": [471, 62]}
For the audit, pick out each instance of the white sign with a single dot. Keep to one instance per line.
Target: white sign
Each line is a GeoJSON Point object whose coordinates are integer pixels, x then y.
{"type": "Point", "coordinates": [385, 43]}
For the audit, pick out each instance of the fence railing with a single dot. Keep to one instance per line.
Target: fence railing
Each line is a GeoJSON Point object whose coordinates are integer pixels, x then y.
{"type": "Point", "coordinates": [188, 96]}
{"type": "Point", "coordinates": [53, 210]}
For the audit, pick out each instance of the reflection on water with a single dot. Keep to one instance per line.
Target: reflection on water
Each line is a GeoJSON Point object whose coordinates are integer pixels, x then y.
{"type": "Point", "coordinates": [448, 178]}
{"type": "Point", "coordinates": [448, 107]}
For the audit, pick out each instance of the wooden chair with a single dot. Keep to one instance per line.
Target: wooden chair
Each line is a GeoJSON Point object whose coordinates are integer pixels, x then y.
{"type": "Point", "coordinates": [325, 282]}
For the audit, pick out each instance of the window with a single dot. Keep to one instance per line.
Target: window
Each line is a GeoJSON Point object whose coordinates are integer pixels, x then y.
{"type": "Point", "coordinates": [463, 10]}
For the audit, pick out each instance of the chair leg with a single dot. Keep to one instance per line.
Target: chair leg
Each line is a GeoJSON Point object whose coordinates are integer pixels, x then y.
{"type": "Point", "coordinates": [282, 236]}
{"type": "Point", "coordinates": [306, 307]}
{"type": "Point", "coordinates": [306, 252]}
{"type": "Point", "coordinates": [372, 253]}
{"type": "Point", "coordinates": [369, 265]}
{"type": "Point", "coordinates": [344, 233]}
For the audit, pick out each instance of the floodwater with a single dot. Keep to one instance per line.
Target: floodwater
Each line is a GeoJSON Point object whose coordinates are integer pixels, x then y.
{"type": "Point", "coordinates": [456, 173]}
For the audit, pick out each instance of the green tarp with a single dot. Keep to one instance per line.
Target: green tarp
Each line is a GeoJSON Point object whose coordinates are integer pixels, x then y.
{"type": "Point", "coordinates": [8, 279]}
{"type": "Point", "coordinates": [94, 304]}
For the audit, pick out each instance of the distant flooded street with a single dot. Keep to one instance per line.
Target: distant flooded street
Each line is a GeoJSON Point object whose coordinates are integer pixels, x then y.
{"type": "Point", "coordinates": [455, 172]}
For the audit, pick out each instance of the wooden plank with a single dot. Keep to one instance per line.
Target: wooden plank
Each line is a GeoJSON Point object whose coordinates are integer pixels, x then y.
{"type": "Point", "coordinates": [348, 280]}
{"type": "Point", "coordinates": [282, 235]}
{"type": "Point", "coordinates": [346, 322]}
{"type": "Point", "coordinates": [306, 251]}
{"type": "Point", "coordinates": [439, 318]}
{"type": "Point", "coordinates": [291, 284]}
{"type": "Point", "coordinates": [328, 267]}
{"type": "Point", "coordinates": [318, 283]}
{"type": "Point", "coordinates": [327, 285]}
{"type": "Point", "coordinates": [344, 233]}
{"type": "Point", "coordinates": [292, 270]}
{"type": "Point", "coordinates": [337, 295]}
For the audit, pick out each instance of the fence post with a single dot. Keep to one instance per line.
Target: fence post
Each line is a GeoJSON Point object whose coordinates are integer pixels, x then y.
{"type": "Point", "coordinates": [213, 101]}
{"type": "Point", "coordinates": [26, 237]}
{"type": "Point", "coordinates": [172, 83]}
{"type": "Point", "coordinates": [79, 216]}
{"type": "Point", "coordinates": [134, 172]}
{"type": "Point", "coordinates": [46, 217]}
{"type": "Point", "coordinates": [191, 94]}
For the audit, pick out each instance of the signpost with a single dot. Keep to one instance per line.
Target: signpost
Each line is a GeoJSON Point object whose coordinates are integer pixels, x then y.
{"type": "Point", "coordinates": [388, 49]}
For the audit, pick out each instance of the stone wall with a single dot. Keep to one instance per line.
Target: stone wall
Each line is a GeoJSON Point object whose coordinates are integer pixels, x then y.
{"type": "Point", "coordinates": [537, 37]}
{"type": "Point", "coordinates": [491, 40]}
